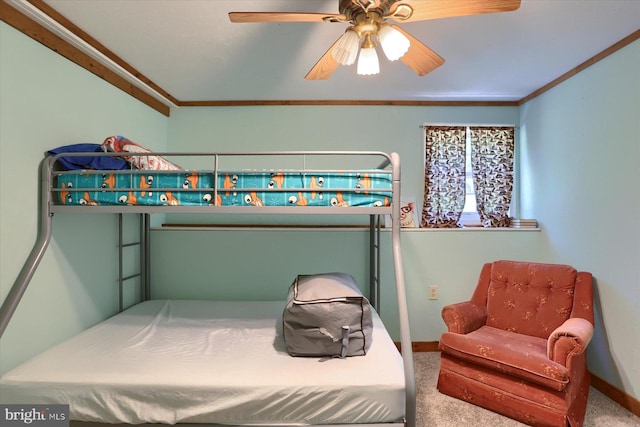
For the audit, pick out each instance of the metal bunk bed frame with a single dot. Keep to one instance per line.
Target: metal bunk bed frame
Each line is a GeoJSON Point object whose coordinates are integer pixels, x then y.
{"type": "Point", "coordinates": [47, 209]}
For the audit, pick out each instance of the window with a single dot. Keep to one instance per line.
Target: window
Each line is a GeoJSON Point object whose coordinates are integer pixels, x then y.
{"type": "Point", "coordinates": [469, 216]}
{"type": "Point", "coordinates": [468, 176]}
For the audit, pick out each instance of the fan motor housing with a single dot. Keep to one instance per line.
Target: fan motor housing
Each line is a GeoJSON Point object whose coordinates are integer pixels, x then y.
{"type": "Point", "coordinates": [353, 9]}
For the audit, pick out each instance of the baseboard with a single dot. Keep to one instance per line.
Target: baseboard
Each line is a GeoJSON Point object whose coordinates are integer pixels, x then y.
{"type": "Point", "coordinates": [421, 346]}
{"type": "Point", "coordinates": [628, 402]}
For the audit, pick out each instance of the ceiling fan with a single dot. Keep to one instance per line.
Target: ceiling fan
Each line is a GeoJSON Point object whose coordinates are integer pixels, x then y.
{"type": "Point", "coordinates": [369, 21]}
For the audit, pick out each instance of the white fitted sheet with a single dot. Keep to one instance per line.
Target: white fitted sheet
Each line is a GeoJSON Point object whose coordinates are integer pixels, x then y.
{"type": "Point", "coordinates": [221, 362]}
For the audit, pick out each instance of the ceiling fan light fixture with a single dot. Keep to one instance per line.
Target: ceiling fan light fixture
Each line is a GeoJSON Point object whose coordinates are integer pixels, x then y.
{"type": "Point", "coordinates": [346, 50]}
{"type": "Point", "coordinates": [368, 61]}
{"type": "Point", "coordinates": [393, 42]}
{"type": "Point", "coordinates": [369, 18]}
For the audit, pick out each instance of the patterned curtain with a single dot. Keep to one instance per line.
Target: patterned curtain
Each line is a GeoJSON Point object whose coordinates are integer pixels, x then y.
{"type": "Point", "coordinates": [444, 190]}
{"type": "Point", "coordinates": [492, 152]}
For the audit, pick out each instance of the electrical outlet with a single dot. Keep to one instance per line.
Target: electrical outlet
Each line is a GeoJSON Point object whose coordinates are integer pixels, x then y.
{"type": "Point", "coordinates": [433, 292]}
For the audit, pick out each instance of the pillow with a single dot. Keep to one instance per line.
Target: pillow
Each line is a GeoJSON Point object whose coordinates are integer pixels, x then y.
{"type": "Point", "coordinates": [120, 144]}
{"type": "Point", "coordinates": [87, 162]}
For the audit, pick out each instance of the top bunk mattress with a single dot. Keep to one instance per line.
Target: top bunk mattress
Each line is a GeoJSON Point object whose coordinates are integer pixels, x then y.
{"type": "Point", "coordinates": [219, 362]}
{"type": "Point", "coordinates": [368, 188]}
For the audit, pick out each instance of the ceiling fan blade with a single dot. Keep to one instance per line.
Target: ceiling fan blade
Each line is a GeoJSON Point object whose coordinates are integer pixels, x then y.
{"type": "Point", "coordinates": [249, 17]}
{"type": "Point", "coordinates": [325, 66]}
{"type": "Point", "coordinates": [419, 57]}
{"type": "Point", "coordinates": [436, 9]}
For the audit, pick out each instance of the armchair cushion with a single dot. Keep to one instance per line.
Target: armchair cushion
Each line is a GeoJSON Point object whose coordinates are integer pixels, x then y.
{"type": "Point", "coordinates": [518, 355]}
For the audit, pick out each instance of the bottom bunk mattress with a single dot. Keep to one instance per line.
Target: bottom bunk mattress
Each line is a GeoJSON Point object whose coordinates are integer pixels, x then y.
{"type": "Point", "coordinates": [222, 362]}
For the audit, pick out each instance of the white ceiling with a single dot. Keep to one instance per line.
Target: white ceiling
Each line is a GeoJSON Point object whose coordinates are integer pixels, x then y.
{"type": "Point", "coordinates": [191, 50]}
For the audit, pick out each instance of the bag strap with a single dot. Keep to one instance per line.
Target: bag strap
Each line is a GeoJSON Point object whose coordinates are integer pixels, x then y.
{"type": "Point", "coordinates": [345, 342]}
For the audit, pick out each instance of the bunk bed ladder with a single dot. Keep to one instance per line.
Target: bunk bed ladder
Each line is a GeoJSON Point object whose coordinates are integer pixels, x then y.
{"type": "Point", "coordinates": [374, 261]}
{"type": "Point", "coordinates": [143, 269]}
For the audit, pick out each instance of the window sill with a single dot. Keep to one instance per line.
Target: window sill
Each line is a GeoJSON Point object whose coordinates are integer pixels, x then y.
{"type": "Point", "coordinates": [321, 227]}
{"type": "Point", "coordinates": [473, 229]}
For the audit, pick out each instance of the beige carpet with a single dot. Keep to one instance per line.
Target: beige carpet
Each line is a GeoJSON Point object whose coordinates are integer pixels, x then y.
{"type": "Point", "coordinates": [437, 410]}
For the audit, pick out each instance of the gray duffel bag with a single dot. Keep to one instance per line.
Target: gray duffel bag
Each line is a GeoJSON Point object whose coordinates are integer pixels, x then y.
{"type": "Point", "coordinates": [327, 315]}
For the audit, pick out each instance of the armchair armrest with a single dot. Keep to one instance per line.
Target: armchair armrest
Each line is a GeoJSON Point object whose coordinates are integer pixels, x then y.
{"type": "Point", "coordinates": [464, 317]}
{"type": "Point", "coordinates": [569, 339]}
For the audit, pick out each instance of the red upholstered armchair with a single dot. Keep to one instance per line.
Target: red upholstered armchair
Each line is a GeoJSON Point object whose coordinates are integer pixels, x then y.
{"type": "Point", "coordinates": [518, 347]}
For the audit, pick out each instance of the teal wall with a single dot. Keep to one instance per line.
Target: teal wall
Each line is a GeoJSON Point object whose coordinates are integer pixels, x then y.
{"type": "Point", "coordinates": [47, 101]}
{"type": "Point", "coordinates": [567, 135]}
{"type": "Point", "coordinates": [449, 259]}
{"type": "Point", "coordinates": [581, 146]}
{"type": "Point", "coordinates": [386, 128]}
{"type": "Point", "coordinates": [261, 264]}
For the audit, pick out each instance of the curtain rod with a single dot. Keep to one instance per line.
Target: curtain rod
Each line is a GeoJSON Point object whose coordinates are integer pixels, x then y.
{"type": "Point", "coordinates": [480, 125]}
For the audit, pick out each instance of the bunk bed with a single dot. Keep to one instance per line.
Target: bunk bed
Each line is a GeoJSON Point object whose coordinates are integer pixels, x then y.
{"type": "Point", "coordinates": [157, 362]}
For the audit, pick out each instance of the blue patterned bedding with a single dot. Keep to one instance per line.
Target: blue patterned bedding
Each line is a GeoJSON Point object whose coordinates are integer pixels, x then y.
{"type": "Point", "coordinates": [246, 188]}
